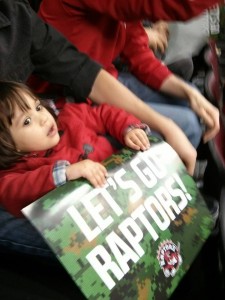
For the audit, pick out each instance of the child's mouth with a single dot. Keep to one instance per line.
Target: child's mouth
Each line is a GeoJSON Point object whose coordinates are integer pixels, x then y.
{"type": "Point", "coordinates": [52, 131]}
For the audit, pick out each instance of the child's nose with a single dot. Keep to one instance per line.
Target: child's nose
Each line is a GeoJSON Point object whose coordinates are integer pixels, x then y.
{"type": "Point", "coordinates": [43, 120]}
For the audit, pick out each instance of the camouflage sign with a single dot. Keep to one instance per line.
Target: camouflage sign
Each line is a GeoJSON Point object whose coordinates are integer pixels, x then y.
{"type": "Point", "coordinates": [136, 237]}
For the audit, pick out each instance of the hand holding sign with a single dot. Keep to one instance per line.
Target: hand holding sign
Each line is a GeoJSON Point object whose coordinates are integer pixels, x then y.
{"type": "Point", "coordinates": [137, 235]}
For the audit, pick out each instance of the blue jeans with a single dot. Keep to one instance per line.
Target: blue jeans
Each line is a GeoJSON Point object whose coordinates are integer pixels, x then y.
{"type": "Point", "coordinates": [20, 236]}
{"type": "Point", "coordinates": [171, 107]}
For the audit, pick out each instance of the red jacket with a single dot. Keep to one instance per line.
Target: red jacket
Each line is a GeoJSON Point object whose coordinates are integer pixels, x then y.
{"type": "Point", "coordinates": [106, 29]}
{"type": "Point", "coordinates": [97, 31]}
{"type": "Point", "coordinates": [83, 128]}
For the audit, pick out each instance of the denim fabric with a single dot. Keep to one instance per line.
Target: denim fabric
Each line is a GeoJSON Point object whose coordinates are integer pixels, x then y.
{"type": "Point", "coordinates": [20, 236]}
{"type": "Point", "coordinates": [175, 109]}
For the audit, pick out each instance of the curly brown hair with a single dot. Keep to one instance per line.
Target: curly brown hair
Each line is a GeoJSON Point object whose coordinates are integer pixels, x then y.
{"type": "Point", "coordinates": [11, 94]}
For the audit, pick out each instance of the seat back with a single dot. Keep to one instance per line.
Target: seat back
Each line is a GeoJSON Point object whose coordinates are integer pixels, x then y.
{"type": "Point", "coordinates": [207, 74]}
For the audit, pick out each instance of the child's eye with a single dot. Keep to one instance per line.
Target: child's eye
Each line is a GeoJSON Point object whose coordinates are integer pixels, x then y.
{"type": "Point", "coordinates": [38, 107]}
{"type": "Point", "coordinates": [27, 121]}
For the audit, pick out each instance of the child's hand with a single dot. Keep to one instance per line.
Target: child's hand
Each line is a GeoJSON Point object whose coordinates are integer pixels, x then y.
{"type": "Point", "coordinates": [137, 139]}
{"type": "Point", "coordinates": [94, 172]}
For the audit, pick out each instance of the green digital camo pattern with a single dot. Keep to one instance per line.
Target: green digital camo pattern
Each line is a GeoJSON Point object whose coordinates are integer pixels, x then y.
{"type": "Point", "coordinates": [145, 279]}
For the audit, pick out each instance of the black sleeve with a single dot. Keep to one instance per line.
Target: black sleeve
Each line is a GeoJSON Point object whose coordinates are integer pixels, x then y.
{"type": "Point", "coordinates": [58, 61]}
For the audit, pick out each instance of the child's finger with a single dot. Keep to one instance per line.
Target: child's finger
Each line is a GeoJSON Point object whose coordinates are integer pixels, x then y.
{"type": "Point", "coordinates": [99, 177]}
{"type": "Point", "coordinates": [141, 140]}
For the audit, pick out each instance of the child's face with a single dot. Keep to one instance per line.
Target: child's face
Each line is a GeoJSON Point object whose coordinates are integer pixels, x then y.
{"type": "Point", "coordinates": [34, 129]}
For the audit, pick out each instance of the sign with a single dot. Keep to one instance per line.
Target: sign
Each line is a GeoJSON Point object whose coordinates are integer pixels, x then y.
{"type": "Point", "coordinates": [134, 238]}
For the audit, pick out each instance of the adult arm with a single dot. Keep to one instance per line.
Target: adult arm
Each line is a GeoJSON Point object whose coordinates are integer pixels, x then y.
{"type": "Point", "coordinates": [203, 108]}
{"type": "Point", "coordinates": [101, 92]}
{"type": "Point", "coordinates": [123, 98]}
{"type": "Point", "coordinates": [152, 72]}
{"type": "Point", "coordinates": [29, 45]}
{"type": "Point", "coordinates": [158, 34]}
{"type": "Point", "coordinates": [141, 59]}
{"type": "Point", "coordinates": [130, 10]}
{"type": "Point", "coordinates": [58, 61]}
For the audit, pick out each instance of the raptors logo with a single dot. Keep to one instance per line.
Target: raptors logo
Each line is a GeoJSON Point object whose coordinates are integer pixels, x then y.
{"type": "Point", "coordinates": [169, 257]}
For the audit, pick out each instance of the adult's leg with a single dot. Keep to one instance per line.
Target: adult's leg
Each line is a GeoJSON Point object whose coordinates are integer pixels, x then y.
{"type": "Point", "coordinates": [20, 236]}
{"type": "Point", "coordinates": [184, 118]}
{"type": "Point", "coordinates": [176, 109]}
{"type": "Point", "coordinates": [146, 93]}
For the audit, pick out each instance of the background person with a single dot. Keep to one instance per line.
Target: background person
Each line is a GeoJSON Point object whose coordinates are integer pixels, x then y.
{"type": "Point", "coordinates": [118, 32]}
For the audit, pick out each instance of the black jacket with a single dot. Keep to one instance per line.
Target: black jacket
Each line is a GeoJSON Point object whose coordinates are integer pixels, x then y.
{"type": "Point", "coordinates": [29, 45]}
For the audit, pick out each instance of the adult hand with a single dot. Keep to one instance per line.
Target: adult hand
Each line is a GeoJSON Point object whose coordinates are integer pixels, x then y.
{"type": "Point", "coordinates": [161, 26]}
{"type": "Point", "coordinates": [158, 36]}
{"type": "Point", "coordinates": [208, 113]}
{"type": "Point", "coordinates": [157, 122]}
